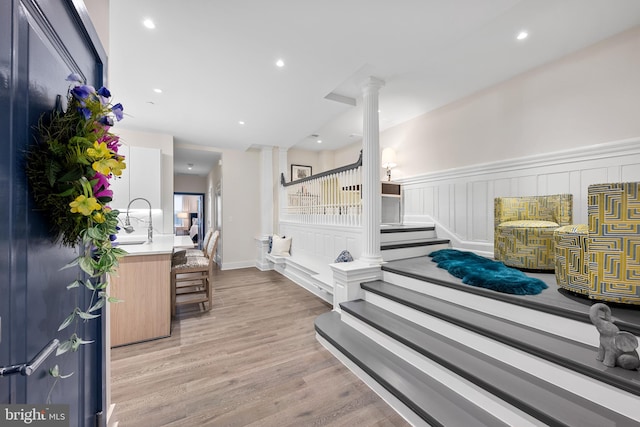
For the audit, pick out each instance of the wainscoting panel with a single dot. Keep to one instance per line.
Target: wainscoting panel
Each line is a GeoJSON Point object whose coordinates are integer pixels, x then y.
{"type": "Point", "coordinates": [322, 242]}
{"type": "Point", "coordinates": [460, 201]}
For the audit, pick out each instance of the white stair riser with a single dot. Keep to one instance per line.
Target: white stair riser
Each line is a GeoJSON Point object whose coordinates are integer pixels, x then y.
{"type": "Point", "coordinates": [557, 325]}
{"type": "Point", "coordinates": [407, 236]}
{"type": "Point", "coordinates": [403, 253]}
{"type": "Point", "coordinates": [615, 399]}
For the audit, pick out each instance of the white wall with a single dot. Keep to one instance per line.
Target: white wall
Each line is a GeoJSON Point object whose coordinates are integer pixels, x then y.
{"type": "Point", "coordinates": [240, 207]}
{"type": "Point", "coordinates": [585, 98]}
{"type": "Point", "coordinates": [555, 129]}
{"type": "Point", "coordinates": [189, 184]}
{"type": "Point", "coordinates": [165, 143]}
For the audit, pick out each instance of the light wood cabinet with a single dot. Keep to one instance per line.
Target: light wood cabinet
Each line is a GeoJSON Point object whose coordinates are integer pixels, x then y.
{"type": "Point", "coordinates": [143, 283]}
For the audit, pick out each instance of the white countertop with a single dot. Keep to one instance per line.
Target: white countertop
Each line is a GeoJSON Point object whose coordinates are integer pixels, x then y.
{"type": "Point", "coordinates": [162, 244]}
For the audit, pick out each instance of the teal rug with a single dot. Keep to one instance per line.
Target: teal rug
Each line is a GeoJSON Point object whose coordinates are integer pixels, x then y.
{"type": "Point", "coordinates": [475, 270]}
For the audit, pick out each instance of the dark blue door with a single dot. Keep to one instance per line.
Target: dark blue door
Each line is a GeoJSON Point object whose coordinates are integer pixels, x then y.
{"type": "Point", "coordinates": [41, 42]}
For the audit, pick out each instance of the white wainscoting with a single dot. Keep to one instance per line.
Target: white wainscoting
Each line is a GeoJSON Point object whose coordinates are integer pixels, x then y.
{"type": "Point", "coordinates": [322, 243]}
{"type": "Point", "coordinates": [460, 201]}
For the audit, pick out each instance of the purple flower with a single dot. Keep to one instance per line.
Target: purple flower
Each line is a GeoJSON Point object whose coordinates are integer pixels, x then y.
{"type": "Point", "coordinates": [86, 113]}
{"type": "Point", "coordinates": [74, 77]}
{"type": "Point", "coordinates": [117, 110]}
{"type": "Point", "coordinates": [101, 187]}
{"type": "Point", "coordinates": [82, 91]}
{"type": "Point", "coordinates": [103, 91]}
{"type": "Point", "coordinates": [106, 120]}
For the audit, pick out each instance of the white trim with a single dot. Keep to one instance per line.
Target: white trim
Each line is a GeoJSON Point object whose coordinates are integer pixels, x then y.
{"type": "Point", "coordinates": [461, 201]}
{"type": "Point", "coordinates": [613, 149]}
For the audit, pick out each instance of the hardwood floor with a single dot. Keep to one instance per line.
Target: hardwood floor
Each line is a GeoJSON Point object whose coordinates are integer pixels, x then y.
{"type": "Point", "coordinates": [252, 360]}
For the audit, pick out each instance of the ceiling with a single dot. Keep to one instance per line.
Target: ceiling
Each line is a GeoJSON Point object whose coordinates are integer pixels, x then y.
{"type": "Point", "coordinates": [215, 62]}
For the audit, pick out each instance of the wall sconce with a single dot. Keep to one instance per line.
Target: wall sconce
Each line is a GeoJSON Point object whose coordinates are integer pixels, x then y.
{"type": "Point", "coordinates": [389, 160]}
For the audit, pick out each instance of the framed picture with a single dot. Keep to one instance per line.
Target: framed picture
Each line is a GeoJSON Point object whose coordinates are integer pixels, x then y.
{"type": "Point", "coordinates": [299, 172]}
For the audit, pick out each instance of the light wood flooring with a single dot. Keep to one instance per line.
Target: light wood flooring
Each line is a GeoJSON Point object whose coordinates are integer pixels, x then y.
{"type": "Point", "coordinates": [253, 360]}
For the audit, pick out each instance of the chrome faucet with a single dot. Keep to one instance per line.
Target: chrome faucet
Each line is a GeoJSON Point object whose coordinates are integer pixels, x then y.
{"type": "Point", "coordinates": [127, 223]}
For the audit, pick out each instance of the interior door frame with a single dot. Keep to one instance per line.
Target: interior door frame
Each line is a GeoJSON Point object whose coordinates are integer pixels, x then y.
{"type": "Point", "coordinates": [203, 213]}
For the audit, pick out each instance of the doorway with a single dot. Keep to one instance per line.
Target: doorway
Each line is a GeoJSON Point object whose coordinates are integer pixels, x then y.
{"type": "Point", "coordinates": [188, 216]}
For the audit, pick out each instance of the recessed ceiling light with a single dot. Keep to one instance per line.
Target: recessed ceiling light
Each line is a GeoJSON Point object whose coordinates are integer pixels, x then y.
{"type": "Point", "coordinates": [319, 141]}
{"type": "Point", "coordinates": [148, 23]}
{"type": "Point", "coordinates": [522, 35]}
{"type": "Point", "coordinates": [157, 90]}
{"type": "Point", "coordinates": [280, 63]}
{"type": "Point", "coordinates": [240, 122]}
{"type": "Point", "coordinates": [189, 166]}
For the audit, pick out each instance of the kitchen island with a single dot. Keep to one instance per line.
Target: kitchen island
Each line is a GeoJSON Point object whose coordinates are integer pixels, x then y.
{"type": "Point", "coordinates": [142, 282]}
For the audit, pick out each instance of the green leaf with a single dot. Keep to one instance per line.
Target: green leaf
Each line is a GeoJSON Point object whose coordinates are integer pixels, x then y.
{"type": "Point", "coordinates": [54, 372]}
{"type": "Point", "coordinates": [87, 316]}
{"type": "Point", "coordinates": [67, 192]}
{"type": "Point", "coordinates": [63, 348]}
{"type": "Point", "coordinates": [67, 321]}
{"type": "Point", "coordinates": [76, 342]}
{"type": "Point", "coordinates": [98, 305]}
{"type": "Point", "coordinates": [86, 264]}
{"type": "Point", "coordinates": [74, 284]}
{"type": "Point", "coordinates": [114, 299]}
{"type": "Point", "coordinates": [71, 264]}
{"type": "Point", "coordinates": [89, 285]}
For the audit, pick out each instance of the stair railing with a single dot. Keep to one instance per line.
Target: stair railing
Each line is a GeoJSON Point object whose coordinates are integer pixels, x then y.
{"type": "Point", "coordinates": [333, 197]}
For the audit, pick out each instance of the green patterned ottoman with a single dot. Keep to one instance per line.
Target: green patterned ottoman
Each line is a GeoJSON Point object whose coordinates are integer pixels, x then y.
{"type": "Point", "coordinates": [571, 260]}
{"type": "Point", "coordinates": [614, 242]}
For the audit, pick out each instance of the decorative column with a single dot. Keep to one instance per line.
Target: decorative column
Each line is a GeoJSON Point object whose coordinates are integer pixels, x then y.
{"type": "Point", "coordinates": [371, 214]}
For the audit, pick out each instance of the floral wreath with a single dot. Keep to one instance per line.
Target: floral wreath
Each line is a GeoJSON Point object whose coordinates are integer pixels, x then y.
{"type": "Point", "coordinates": [69, 169]}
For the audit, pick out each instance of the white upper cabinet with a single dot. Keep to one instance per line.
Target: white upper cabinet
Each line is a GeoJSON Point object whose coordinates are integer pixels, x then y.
{"type": "Point", "coordinates": [141, 178]}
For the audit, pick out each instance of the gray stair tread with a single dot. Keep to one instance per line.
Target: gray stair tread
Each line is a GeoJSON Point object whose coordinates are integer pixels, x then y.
{"type": "Point", "coordinates": [406, 228]}
{"type": "Point", "coordinates": [626, 317]}
{"type": "Point", "coordinates": [544, 401]}
{"type": "Point", "coordinates": [424, 242]}
{"type": "Point", "coordinates": [570, 354]}
{"type": "Point", "coordinates": [432, 401]}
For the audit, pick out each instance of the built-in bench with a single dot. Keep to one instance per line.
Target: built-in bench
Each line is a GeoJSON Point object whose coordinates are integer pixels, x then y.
{"type": "Point", "coordinates": [311, 273]}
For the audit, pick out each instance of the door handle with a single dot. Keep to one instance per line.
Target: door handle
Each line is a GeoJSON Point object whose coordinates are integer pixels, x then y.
{"type": "Point", "coordinates": [31, 366]}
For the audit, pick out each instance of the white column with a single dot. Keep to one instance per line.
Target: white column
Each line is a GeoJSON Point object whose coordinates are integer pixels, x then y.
{"type": "Point", "coordinates": [371, 172]}
{"type": "Point", "coordinates": [266, 191]}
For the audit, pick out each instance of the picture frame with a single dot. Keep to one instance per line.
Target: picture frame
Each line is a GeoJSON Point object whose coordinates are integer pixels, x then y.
{"type": "Point", "coordinates": [300, 172]}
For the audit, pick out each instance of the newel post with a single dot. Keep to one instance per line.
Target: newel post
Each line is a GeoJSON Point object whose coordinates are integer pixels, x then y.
{"type": "Point", "coordinates": [347, 277]}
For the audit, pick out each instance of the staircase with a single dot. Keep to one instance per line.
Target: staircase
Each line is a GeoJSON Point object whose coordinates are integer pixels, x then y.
{"type": "Point", "coordinates": [446, 354]}
{"type": "Point", "coordinates": [409, 241]}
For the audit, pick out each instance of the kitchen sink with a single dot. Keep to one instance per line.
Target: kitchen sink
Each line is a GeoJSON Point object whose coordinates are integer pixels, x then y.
{"type": "Point", "coordinates": [131, 242]}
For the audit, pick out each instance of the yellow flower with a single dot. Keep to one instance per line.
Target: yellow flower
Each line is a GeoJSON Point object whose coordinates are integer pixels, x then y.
{"type": "Point", "coordinates": [107, 166]}
{"type": "Point", "coordinates": [99, 151]}
{"type": "Point", "coordinates": [117, 166]}
{"type": "Point", "coordinates": [84, 205]}
{"type": "Point", "coordinates": [98, 217]}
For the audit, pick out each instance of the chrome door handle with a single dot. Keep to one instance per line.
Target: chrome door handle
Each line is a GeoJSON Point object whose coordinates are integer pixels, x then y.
{"type": "Point", "coordinates": [31, 366]}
